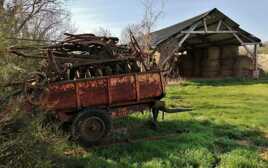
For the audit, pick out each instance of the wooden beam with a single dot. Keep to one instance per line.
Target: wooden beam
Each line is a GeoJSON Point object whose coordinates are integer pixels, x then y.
{"type": "Point", "coordinates": [208, 32]}
{"type": "Point", "coordinates": [247, 38]}
{"type": "Point", "coordinates": [183, 39]}
{"type": "Point", "coordinates": [244, 45]}
{"type": "Point", "coordinates": [256, 73]}
{"type": "Point", "coordinates": [255, 58]}
{"type": "Point", "coordinates": [219, 26]}
{"type": "Point", "coordinates": [208, 24]}
{"type": "Point", "coordinates": [199, 26]}
{"type": "Point", "coordinates": [205, 24]}
{"type": "Point", "coordinates": [240, 40]}
{"type": "Point", "coordinates": [231, 41]}
{"type": "Point", "coordinates": [227, 38]}
{"type": "Point", "coordinates": [210, 45]}
{"type": "Point", "coordinates": [253, 43]}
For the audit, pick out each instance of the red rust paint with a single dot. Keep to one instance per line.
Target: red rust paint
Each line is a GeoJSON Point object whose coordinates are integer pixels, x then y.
{"type": "Point", "coordinates": [126, 110]}
{"type": "Point", "coordinates": [122, 89]}
{"type": "Point", "coordinates": [62, 96]}
{"type": "Point", "coordinates": [93, 92]}
{"type": "Point", "coordinates": [150, 85]}
{"type": "Point", "coordinates": [106, 92]}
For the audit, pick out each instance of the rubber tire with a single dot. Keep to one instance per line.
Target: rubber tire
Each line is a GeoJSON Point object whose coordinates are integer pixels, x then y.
{"type": "Point", "coordinates": [82, 116]}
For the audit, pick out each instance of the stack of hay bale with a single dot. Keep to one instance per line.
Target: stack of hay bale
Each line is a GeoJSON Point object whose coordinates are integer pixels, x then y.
{"type": "Point", "coordinates": [243, 66]}
{"type": "Point", "coordinates": [210, 63]}
{"type": "Point", "coordinates": [197, 59]}
{"type": "Point", "coordinates": [228, 60]}
{"type": "Point", "coordinates": [214, 62]}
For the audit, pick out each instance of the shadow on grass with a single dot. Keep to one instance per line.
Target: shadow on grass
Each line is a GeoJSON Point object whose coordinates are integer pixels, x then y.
{"type": "Point", "coordinates": [195, 144]}
{"type": "Point", "coordinates": [230, 82]}
{"type": "Point", "coordinates": [199, 143]}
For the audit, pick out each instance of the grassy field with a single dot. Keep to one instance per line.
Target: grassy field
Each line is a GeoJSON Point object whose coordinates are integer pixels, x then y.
{"type": "Point", "coordinates": [264, 48]}
{"type": "Point", "coordinates": [227, 128]}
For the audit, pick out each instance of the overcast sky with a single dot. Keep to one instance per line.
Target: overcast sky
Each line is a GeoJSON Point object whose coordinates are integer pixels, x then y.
{"type": "Point", "coordinates": [89, 15]}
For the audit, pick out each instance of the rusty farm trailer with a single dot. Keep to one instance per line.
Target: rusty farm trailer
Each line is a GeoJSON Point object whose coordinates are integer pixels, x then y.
{"type": "Point", "coordinates": [90, 80]}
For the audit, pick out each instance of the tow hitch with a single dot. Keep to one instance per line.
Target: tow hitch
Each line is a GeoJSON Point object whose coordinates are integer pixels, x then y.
{"type": "Point", "coordinates": [161, 106]}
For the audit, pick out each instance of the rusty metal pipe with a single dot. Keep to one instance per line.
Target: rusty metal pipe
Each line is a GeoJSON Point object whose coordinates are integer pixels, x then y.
{"type": "Point", "coordinates": [160, 105]}
{"type": "Point", "coordinates": [175, 110]}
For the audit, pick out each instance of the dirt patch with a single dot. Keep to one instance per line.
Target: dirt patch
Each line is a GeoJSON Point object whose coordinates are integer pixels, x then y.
{"type": "Point", "coordinates": [244, 142]}
{"type": "Point", "coordinates": [75, 152]}
{"type": "Point", "coordinates": [262, 150]}
{"type": "Point", "coordinates": [266, 135]}
{"type": "Point", "coordinates": [264, 154]}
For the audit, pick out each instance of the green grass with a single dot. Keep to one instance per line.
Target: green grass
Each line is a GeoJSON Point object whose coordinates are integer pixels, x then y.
{"type": "Point", "coordinates": [228, 128]}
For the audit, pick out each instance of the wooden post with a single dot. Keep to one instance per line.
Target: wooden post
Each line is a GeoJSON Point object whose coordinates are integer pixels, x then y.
{"type": "Point", "coordinates": [255, 63]}
{"type": "Point", "coordinates": [255, 57]}
{"type": "Point", "coordinates": [205, 25]}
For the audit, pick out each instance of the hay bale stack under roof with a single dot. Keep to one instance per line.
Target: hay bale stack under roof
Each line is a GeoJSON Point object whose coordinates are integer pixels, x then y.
{"type": "Point", "coordinates": [207, 31]}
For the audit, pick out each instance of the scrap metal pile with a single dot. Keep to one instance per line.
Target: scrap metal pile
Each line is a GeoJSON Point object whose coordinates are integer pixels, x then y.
{"type": "Point", "coordinates": [88, 56]}
{"type": "Point", "coordinates": [82, 56]}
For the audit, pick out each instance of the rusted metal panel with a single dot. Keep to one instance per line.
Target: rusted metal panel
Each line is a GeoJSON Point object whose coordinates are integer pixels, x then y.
{"type": "Point", "coordinates": [137, 87]}
{"type": "Point", "coordinates": [150, 85]}
{"type": "Point", "coordinates": [126, 110]}
{"type": "Point", "coordinates": [62, 96]}
{"type": "Point", "coordinates": [107, 92]}
{"type": "Point", "coordinates": [78, 102]}
{"type": "Point", "coordinates": [122, 89]}
{"type": "Point", "coordinates": [93, 92]}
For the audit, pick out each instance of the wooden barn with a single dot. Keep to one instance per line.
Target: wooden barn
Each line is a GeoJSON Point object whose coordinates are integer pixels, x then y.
{"type": "Point", "coordinates": [206, 46]}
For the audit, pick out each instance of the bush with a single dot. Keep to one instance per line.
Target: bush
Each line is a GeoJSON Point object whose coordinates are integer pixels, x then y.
{"type": "Point", "coordinates": [26, 142]}
{"type": "Point", "coordinates": [18, 146]}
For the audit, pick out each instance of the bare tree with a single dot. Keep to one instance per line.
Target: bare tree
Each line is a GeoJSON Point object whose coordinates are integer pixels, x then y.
{"type": "Point", "coordinates": [136, 30]}
{"type": "Point", "coordinates": [101, 31]}
{"type": "Point", "coordinates": [36, 19]}
{"type": "Point", "coordinates": [39, 20]}
{"type": "Point", "coordinates": [153, 10]}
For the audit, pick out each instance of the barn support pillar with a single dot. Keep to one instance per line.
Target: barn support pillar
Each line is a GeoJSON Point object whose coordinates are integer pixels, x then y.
{"type": "Point", "coordinates": [256, 72]}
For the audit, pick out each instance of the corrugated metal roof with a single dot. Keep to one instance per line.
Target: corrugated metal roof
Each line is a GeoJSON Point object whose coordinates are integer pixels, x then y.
{"type": "Point", "coordinates": [160, 36]}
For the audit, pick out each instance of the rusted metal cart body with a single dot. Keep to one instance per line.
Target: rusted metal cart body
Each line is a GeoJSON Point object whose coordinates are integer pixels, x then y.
{"type": "Point", "coordinates": [118, 94]}
{"type": "Point", "coordinates": [90, 104]}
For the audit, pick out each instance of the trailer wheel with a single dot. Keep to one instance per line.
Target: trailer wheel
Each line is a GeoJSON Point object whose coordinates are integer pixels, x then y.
{"type": "Point", "coordinates": [90, 126]}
